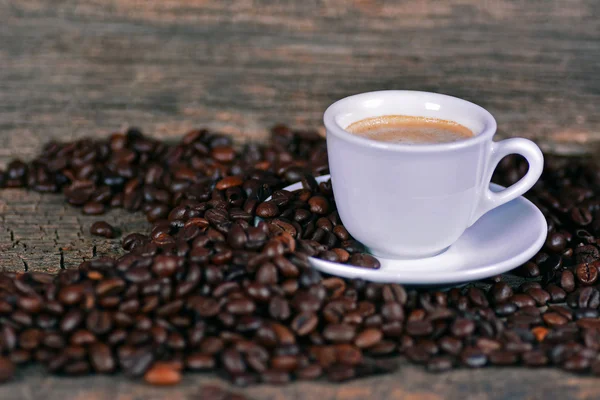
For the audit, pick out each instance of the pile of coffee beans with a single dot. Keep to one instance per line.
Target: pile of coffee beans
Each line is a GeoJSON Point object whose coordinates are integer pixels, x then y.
{"type": "Point", "coordinates": [222, 283]}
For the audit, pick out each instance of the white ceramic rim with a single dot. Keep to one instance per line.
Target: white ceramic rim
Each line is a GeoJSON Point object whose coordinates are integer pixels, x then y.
{"type": "Point", "coordinates": [334, 128]}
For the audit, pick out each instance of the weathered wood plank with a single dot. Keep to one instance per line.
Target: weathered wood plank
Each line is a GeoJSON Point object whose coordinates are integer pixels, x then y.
{"type": "Point", "coordinates": [73, 68]}
{"type": "Point", "coordinates": [409, 383]}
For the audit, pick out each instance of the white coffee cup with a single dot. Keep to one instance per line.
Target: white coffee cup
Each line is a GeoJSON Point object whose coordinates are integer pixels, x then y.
{"type": "Point", "coordinates": [415, 200]}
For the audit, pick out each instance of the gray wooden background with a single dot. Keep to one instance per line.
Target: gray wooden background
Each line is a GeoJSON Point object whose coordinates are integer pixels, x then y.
{"type": "Point", "coordinates": [71, 68]}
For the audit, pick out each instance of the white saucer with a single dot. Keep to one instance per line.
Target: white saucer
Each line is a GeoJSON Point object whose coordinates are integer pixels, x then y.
{"type": "Point", "coordinates": [501, 240]}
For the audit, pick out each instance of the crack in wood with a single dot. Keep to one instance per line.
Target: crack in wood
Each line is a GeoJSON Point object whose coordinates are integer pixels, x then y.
{"type": "Point", "coordinates": [55, 238]}
{"type": "Point", "coordinates": [62, 259]}
{"type": "Point", "coordinates": [25, 265]}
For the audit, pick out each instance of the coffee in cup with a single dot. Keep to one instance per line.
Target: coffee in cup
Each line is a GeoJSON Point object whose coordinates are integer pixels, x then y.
{"type": "Point", "coordinates": [407, 129]}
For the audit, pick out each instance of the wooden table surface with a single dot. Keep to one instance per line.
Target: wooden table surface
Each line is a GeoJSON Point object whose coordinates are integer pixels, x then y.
{"type": "Point", "coordinates": [87, 68]}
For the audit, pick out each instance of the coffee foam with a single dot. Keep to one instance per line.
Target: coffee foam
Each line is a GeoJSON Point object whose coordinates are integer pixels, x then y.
{"type": "Point", "coordinates": [410, 130]}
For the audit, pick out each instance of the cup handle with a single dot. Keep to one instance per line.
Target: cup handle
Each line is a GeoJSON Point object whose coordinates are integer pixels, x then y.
{"type": "Point", "coordinates": [499, 150]}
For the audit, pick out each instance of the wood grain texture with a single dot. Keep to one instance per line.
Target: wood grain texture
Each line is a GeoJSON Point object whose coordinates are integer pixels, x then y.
{"type": "Point", "coordinates": [71, 68]}
{"type": "Point", "coordinates": [43, 233]}
{"type": "Point", "coordinates": [87, 68]}
{"type": "Point", "coordinates": [409, 383]}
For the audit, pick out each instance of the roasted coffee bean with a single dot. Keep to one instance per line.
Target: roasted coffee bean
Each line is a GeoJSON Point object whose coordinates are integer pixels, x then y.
{"type": "Point", "coordinates": [136, 362]}
{"type": "Point", "coordinates": [70, 295]}
{"type": "Point", "coordinates": [233, 362]}
{"type": "Point", "coordinates": [591, 339]}
{"type": "Point", "coordinates": [308, 302]}
{"type": "Point", "coordinates": [339, 333]}
{"type": "Point", "coordinates": [236, 237]}
{"type": "Point", "coordinates": [162, 374]}
{"type": "Point", "coordinates": [501, 292]}
{"type": "Point", "coordinates": [395, 293]}
{"type": "Point", "coordinates": [556, 242]}
{"type": "Point", "coordinates": [93, 208]}
{"type": "Point", "coordinates": [267, 210]}
{"type": "Point", "coordinates": [364, 260]}
{"type": "Point", "coordinates": [309, 372]}
{"type": "Point", "coordinates": [304, 323]}
{"type": "Point", "coordinates": [341, 233]}
{"type": "Point", "coordinates": [328, 256]}
{"type": "Point", "coordinates": [540, 296]}
{"type": "Point", "coordinates": [462, 327]}
{"type": "Point", "coordinates": [554, 319]}
{"type": "Point", "coordinates": [110, 287]}
{"type": "Point", "coordinates": [200, 362]}
{"type": "Point", "coordinates": [101, 358]}
{"type": "Point", "coordinates": [104, 229]}
{"type": "Point", "coordinates": [71, 320]}
{"type": "Point", "coordinates": [450, 345]}
{"type": "Point", "coordinates": [368, 338]}
{"type": "Point", "coordinates": [487, 345]}
{"type": "Point", "coordinates": [557, 294]}
{"type": "Point", "coordinates": [522, 300]}
{"type": "Point", "coordinates": [319, 205]}
{"type": "Point", "coordinates": [417, 315]}
{"type": "Point", "coordinates": [440, 364]}
{"type": "Point", "coordinates": [30, 339]}
{"type": "Point", "coordinates": [419, 328]}
{"type": "Point", "coordinates": [581, 216]}
{"type": "Point", "coordinates": [99, 322]}
{"type": "Point", "coordinates": [165, 266]}
{"type": "Point", "coordinates": [588, 297]}
{"type": "Point", "coordinates": [287, 363]}
{"type": "Point", "coordinates": [29, 304]}
{"type": "Point", "coordinates": [223, 153]}
{"type": "Point", "coordinates": [54, 340]}
{"type": "Point", "coordinates": [529, 270]}
{"type": "Point", "coordinates": [477, 297]}
{"type": "Point", "coordinates": [342, 255]}
{"type": "Point", "coordinates": [228, 182]}
{"type": "Point", "coordinates": [242, 306]}
{"type": "Point", "coordinates": [473, 357]}
{"type": "Point", "coordinates": [392, 311]}
{"type": "Point", "coordinates": [21, 318]}
{"type": "Point", "coordinates": [567, 281]}
{"type": "Point", "coordinates": [587, 273]}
